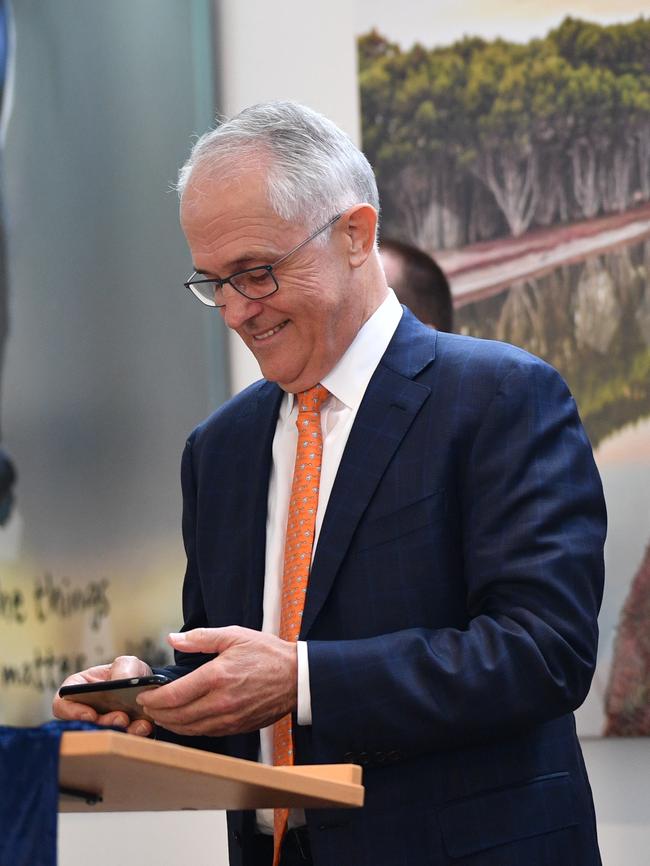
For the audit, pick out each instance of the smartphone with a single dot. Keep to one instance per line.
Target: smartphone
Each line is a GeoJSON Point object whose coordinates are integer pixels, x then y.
{"type": "Point", "coordinates": [113, 695]}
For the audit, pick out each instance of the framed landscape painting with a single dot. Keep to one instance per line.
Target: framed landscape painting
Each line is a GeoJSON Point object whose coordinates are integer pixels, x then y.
{"type": "Point", "coordinates": [514, 147]}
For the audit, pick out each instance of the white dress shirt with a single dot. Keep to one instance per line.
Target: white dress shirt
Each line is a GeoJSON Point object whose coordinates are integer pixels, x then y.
{"type": "Point", "coordinates": [347, 383]}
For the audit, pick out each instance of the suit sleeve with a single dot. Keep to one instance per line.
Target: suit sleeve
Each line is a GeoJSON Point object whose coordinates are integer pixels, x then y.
{"type": "Point", "coordinates": [533, 525]}
{"type": "Point", "coordinates": [194, 615]}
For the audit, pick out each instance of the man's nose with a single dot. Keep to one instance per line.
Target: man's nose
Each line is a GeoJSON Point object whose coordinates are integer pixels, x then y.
{"type": "Point", "coordinates": [238, 309]}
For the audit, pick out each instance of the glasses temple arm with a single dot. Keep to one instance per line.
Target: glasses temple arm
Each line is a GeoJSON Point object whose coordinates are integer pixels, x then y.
{"type": "Point", "coordinates": [307, 240]}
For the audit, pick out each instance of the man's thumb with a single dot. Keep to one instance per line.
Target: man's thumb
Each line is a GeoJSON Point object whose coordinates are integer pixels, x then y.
{"type": "Point", "coordinates": [200, 640]}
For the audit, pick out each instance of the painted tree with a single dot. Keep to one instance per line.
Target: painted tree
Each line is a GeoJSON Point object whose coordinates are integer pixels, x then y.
{"type": "Point", "coordinates": [640, 111]}
{"type": "Point", "coordinates": [481, 139]}
{"type": "Point", "coordinates": [412, 126]}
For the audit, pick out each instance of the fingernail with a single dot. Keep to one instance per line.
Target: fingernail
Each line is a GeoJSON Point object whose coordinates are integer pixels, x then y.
{"type": "Point", "coordinates": [177, 635]}
{"type": "Point", "coordinates": [87, 717]}
{"type": "Point", "coordinates": [141, 729]}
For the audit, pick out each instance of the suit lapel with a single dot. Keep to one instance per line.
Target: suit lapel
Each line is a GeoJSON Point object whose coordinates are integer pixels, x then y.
{"type": "Point", "coordinates": [390, 404]}
{"type": "Point", "coordinates": [257, 427]}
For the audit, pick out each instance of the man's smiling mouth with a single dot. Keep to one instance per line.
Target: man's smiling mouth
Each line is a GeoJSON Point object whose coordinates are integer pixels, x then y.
{"type": "Point", "coordinates": [271, 331]}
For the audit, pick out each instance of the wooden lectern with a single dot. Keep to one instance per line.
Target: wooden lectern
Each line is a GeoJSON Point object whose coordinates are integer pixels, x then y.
{"type": "Point", "coordinates": [106, 771]}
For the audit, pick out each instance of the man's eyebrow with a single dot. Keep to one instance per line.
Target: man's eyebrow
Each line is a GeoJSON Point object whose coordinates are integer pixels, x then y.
{"type": "Point", "coordinates": [246, 259]}
{"type": "Point", "coordinates": [241, 263]}
{"type": "Point", "coordinates": [199, 271]}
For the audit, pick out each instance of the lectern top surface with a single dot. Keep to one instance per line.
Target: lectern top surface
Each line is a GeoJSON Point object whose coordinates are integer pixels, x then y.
{"type": "Point", "coordinates": [128, 773]}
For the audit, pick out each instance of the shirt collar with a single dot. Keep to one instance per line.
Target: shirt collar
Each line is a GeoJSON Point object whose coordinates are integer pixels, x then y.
{"type": "Point", "coordinates": [349, 378]}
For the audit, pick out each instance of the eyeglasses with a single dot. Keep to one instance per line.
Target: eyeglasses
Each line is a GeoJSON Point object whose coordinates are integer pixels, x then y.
{"type": "Point", "coordinates": [253, 283]}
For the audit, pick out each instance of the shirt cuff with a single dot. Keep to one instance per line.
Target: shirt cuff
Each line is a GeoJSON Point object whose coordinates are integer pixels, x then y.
{"type": "Point", "coordinates": [304, 692]}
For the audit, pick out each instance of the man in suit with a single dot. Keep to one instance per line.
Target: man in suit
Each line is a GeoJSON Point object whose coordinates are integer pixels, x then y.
{"type": "Point", "coordinates": [452, 515]}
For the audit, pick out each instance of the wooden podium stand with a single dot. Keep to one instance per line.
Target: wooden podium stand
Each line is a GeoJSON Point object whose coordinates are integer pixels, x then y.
{"type": "Point", "coordinates": [106, 771]}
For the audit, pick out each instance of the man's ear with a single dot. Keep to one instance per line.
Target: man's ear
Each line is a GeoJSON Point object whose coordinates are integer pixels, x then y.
{"type": "Point", "coordinates": [360, 226]}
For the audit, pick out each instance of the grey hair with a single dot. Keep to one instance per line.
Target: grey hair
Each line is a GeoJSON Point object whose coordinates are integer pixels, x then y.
{"type": "Point", "coordinates": [314, 169]}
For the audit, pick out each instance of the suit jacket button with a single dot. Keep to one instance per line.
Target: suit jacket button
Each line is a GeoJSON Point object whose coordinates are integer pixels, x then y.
{"type": "Point", "coordinates": [348, 757]}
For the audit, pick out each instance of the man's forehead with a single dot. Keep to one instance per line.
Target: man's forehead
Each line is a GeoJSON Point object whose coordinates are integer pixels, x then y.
{"type": "Point", "coordinates": [207, 190]}
{"type": "Point", "coordinates": [228, 176]}
{"type": "Point", "coordinates": [215, 210]}
{"type": "Point", "coordinates": [229, 222]}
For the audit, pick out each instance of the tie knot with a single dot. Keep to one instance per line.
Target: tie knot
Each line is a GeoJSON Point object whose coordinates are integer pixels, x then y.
{"type": "Point", "coordinates": [312, 399]}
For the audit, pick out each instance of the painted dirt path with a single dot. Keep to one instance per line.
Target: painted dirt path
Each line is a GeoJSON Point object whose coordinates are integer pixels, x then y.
{"type": "Point", "coordinates": [483, 269]}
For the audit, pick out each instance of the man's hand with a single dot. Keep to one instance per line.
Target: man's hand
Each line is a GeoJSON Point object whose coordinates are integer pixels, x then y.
{"type": "Point", "coordinates": [252, 683]}
{"type": "Point", "coordinates": [122, 668]}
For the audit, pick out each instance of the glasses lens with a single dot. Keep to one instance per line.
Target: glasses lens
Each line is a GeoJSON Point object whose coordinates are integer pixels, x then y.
{"type": "Point", "coordinates": [256, 283]}
{"type": "Point", "coordinates": [205, 290]}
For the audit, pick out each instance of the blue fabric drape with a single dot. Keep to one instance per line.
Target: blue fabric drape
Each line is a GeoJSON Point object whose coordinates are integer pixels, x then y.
{"type": "Point", "coordinates": [29, 792]}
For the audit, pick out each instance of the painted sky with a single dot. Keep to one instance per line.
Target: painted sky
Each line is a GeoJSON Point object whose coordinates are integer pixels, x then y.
{"type": "Point", "coordinates": [440, 22]}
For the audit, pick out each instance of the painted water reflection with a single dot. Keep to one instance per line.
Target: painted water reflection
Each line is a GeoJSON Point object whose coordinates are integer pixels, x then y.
{"type": "Point", "coordinates": [591, 320]}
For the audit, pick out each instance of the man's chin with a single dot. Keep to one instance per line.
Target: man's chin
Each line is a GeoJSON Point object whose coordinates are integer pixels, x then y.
{"type": "Point", "coordinates": [273, 371]}
{"type": "Point", "coordinates": [283, 378]}
{"type": "Point", "coordinates": [277, 379]}
{"type": "Point", "coordinates": [291, 377]}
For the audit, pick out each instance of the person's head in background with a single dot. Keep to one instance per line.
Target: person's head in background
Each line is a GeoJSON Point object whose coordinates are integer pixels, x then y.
{"type": "Point", "coordinates": [418, 282]}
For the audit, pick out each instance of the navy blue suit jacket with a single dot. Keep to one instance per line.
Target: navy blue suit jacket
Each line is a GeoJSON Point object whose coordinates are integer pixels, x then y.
{"type": "Point", "coordinates": [451, 608]}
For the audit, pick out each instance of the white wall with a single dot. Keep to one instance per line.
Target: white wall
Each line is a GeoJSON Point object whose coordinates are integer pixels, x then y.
{"type": "Point", "coordinates": [143, 839]}
{"type": "Point", "coordinates": [619, 771]}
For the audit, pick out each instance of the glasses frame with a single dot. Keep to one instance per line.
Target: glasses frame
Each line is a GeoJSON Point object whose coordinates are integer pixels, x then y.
{"type": "Point", "coordinates": [219, 283]}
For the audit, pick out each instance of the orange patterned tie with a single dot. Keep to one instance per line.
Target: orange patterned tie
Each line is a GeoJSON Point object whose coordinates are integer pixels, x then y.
{"type": "Point", "coordinates": [298, 545]}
